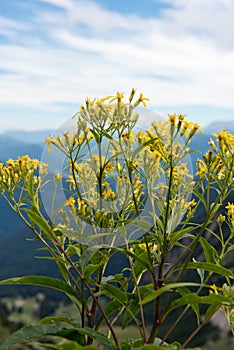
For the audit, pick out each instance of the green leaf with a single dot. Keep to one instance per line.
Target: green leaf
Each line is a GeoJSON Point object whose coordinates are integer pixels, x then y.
{"type": "Point", "coordinates": [38, 220]}
{"type": "Point", "coordinates": [169, 287]}
{"type": "Point", "coordinates": [200, 196]}
{"type": "Point", "coordinates": [195, 307]}
{"type": "Point", "coordinates": [30, 186]}
{"type": "Point", "coordinates": [213, 299]}
{"type": "Point", "coordinates": [212, 309]}
{"type": "Point", "coordinates": [112, 306]}
{"type": "Point", "coordinates": [87, 255]}
{"type": "Point", "coordinates": [70, 233]}
{"type": "Point", "coordinates": [44, 281]}
{"type": "Point", "coordinates": [28, 333]}
{"type": "Point", "coordinates": [70, 345]}
{"type": "Point", "coordinates": [61, 319]}
{"type": "Point", "coordinates": [74, 346]}
{"type": "Point", "coordinates": [99, 337]}
{"type": "Point", "coordinates": [96, 135]}
{"type": "Point", "coordinates": [72, 334]}
{"type": "Point", "coordinates": [144, 261]}
{"type": "Point", "coordinates": [210, 267]}
{"type": "Point", "coordinates": [133, 306]}
{"type": "Point", "coordinates": [209, 251]}
{"type": "Point", "coordinates": [89, 270]}
{"type": "Point", "coordinates": [173, 346]}
{"type": "Point", "coordinates": [115, 293]}
{"type": "Point", "coordinates": [130, 344]}
{"type": "Point", "coordinates": [181, 233]}
{"type": "Point", "coordinates": [144, 224]}
{"type": "Point", "coordinates": [151, 347]}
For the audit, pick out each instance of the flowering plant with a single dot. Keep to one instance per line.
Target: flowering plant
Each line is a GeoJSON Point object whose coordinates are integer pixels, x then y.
{"type": "Point", "coordinates": [128, 191]}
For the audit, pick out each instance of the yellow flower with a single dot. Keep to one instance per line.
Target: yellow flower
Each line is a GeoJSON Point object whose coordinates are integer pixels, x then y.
{"type": "Point", "coordinates": [202, 169]}
{"type": "Point", "coordinates": [109, 167]}
{"type": "Point", "coordinates": [48, 141]}
{"type": "Point", "coordinates": [152, 246]}
{"type": "Point", "coordinates": [181, 117]}
{"type": "Point", "coordinates": [109, 195]}
{"type": "Point", "coordinates": [132, 95]}
{"type": "Point", "coordinates": [142, 100]}
{"type": "Point", "coordinates": [194, 129]}
{"type": "Point", "coordinates": [221, 219]}
{"type": "Point", "coordinates": [88, 102]}
{"type": "Point", "coordinates": [70, 202]}
{"type": "Point", "coordinates": [230, 208]}
{"type": "Point", "coordinates": [141, 137]}
{"type": "Point", "coordinates": [119, 96]}
{"type": "Point", "coordinates": [214, 289]}
{"type": "Point", "coordinates": [128, 136]}
{"type": "Point", "coordinates": [172, 119]}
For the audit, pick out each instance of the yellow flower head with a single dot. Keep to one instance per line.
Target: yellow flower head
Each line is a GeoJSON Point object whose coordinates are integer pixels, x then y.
{"type": "Point", "coordinates": [70, 202]}
{"type": "Point", "coordinates": [141, 99]}
{"type": "Point", "coordinates": [48, 141]}
{"type": "Point", "coordinates": [230, 208]}
{"type": "Point", "coordinates": [172, 119]}
{"type": "Point", "coordinates": [132, 95]}
{"type": "Point", "coordinates": [119, 96]}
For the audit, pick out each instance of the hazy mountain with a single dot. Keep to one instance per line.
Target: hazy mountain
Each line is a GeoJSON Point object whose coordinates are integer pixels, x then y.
{"type": "Point", "coordinates": [27, 136]}
{"type": "Point", "coordinates": [220, 125]}
{"type": "Point", "coordinates": [12, 148]}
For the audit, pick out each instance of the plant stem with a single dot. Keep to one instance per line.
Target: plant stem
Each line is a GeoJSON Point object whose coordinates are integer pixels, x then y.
{"type": "Point", "coordinates": [139, 297]}
{"type": "Point", "coordinates": [94, 297]}
{"type": "Point", "coordinates": [197, 330]}
{"type": "Point", "coordinates": [174, 325]}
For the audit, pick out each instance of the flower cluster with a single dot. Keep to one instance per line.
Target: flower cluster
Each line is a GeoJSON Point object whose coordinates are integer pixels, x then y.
{"type": "Point", "coordinates": [218, 162]}
{"type": "Point", "coordinates": [226, 291]}
{"type": "Point", "coordinates": [230, 213]}
{"type": "Point", "coordinates": [114, 180]}
{"type": "Point", "coordinates": [23, 170]}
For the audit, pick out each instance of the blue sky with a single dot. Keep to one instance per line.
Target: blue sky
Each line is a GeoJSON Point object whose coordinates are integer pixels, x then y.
{"type": "Point", "coordinates": [54, 53]}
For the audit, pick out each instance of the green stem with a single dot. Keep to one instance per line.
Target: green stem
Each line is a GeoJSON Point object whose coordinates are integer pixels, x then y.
{"type": "Point", "coordinates": [164, 254]}
{"type": "Point", "coordinates": [174, 325]}
{"type": "Point", "coordinates": [139, 297]}
{"type": "Point", "coordinates": [94, 297]}
{"type": "Point", "coordinates": [197, 330]}
{"type": "Point", "coordinates": [191, 248]}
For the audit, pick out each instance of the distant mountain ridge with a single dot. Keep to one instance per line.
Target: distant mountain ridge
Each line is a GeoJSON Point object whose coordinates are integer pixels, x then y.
{"type": "Point", "coordinates": [18, 143]}
{"type": "Point", "coordinates": [37, 136]}
{"type": "Point", "coordinates": [220, 125]}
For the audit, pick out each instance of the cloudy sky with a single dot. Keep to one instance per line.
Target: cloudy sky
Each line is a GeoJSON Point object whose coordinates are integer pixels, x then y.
{"type": "Point", "coordinates": [54, 53]}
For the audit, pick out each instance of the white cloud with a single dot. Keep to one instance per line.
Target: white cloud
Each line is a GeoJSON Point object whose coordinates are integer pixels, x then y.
{"type": "Point", "coordinates": [211, 20]}
{"type": "Point", "coordinates": [79, 49]}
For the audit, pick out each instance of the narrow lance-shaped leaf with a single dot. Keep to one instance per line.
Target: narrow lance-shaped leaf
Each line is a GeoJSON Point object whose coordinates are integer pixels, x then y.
{"type": "Point", "coordinates": [28, 333]}
{"type": "Point", "coordinates": [115, 293]}
{"type": "Point", "coordinates": [38, 220]}
{"type": "Point", "coordinates": [207, 266]}
{"type": "Point", "coordinates": [212, 299]}
{"type": "Point", "coordinates": [44, 281]}
{"type": "Point", "coordinates": [209, 251]}
{"type": "Point", "coordinates": [167, 288]}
